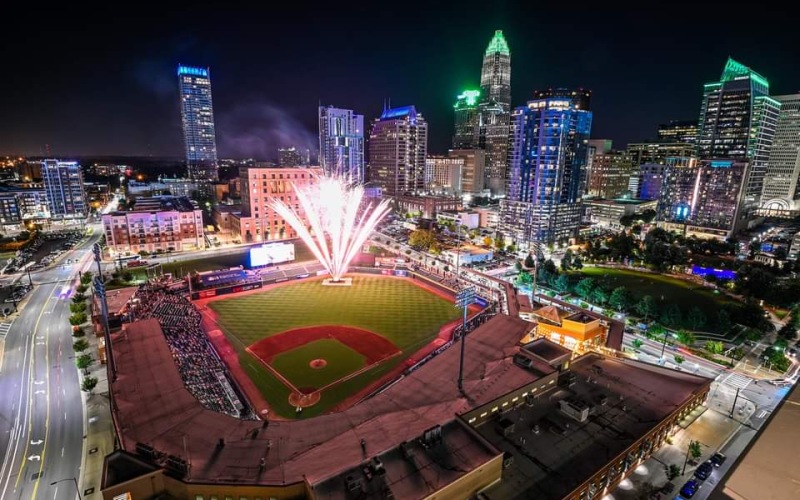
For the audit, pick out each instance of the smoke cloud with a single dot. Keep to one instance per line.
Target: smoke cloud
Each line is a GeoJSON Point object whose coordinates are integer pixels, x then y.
{"type": "Point", "coordinates": [257, 130]}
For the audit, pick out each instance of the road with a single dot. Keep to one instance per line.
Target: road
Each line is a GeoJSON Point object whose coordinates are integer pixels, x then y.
{"type": "Point", "coordinates": [41, 406]}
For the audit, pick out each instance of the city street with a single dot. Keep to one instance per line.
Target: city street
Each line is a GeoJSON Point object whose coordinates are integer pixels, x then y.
{"type": "Point", "coordinates": [41, 409]}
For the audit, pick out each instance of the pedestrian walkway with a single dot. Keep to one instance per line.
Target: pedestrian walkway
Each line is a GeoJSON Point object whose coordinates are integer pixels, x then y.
{"type": "Point", "coordinates": [5, 326]}
{"type": "Point", "coordinates": [737, 380]}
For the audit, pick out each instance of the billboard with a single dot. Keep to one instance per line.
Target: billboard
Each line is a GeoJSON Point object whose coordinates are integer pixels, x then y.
{"type": "Point", "coordinates": [273, 253]}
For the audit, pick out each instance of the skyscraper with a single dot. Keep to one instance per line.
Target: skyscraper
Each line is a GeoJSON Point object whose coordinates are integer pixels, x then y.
{"type": "Point", "coordinates": [294, 157]}
{"type": "Point", "coordinates": [610, 173]}
{"type": "Point", "coordinates": [197, 114]}
{"type": "Point", "coordinates": [341, 142]}
{"type": "Point", "coordinates": [781, 193]}
{"type": "Point", "coordinates": [466, 120]}
{"type": "Point", "coordinates": [472, 169]}
{"type": "Point", "coordinates": [494, 109]}
{"type": "Point", "coordinates": [398, 146]}
{"type": "Point", "coordinates": [547, 170]}
{"type": "Point", "coordinates": [678, 131]}
{"type": "Point", "coordinates": [737, 122]}
{"type": "Point", "coordinates": [63, 184]}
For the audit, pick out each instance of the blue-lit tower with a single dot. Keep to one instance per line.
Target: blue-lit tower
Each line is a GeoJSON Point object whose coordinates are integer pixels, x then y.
{"type": "Point", "coordinates": [197, 114]}
{"type": "Point", "coordinates": [547, 170]}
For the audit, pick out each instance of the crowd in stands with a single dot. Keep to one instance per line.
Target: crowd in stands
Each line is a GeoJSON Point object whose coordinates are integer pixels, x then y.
{"type": "Point", "coordinates": [201, 369]}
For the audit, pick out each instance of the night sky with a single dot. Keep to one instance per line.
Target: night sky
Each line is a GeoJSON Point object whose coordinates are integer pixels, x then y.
{"type": "Point", "coordinates": [102, 83]}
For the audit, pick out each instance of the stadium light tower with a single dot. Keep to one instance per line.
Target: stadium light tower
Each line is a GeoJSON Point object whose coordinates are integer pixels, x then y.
{"type": "Point", "coordinates": [100, 291]}
{"type": "Point", "coordinates": [332, 223]}
{"type": "Point", "coordinates": [464, 298]}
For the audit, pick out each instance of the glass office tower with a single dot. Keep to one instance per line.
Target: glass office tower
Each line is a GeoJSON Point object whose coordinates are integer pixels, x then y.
{"type": "Point", "coordinates": [197, 114]}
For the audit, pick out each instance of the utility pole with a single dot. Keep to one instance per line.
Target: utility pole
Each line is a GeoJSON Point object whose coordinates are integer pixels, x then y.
{"type": "Point", "coordinates": [100, 291]}
{"type": "Point", "coordinates": [688, 449]}
{"type": "Point", "coordinates": [464, 298]}
{"type": "Point", "coordinates": [733, 408]}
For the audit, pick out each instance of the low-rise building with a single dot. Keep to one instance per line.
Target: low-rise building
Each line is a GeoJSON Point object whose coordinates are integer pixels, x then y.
{"type": "Point", "coordinates": [467, 254]}
{"type": "Point", "coordinates": [488, 217]}
{"type": "Point", "coordinates": [427, 206]}
{"type": "Point", "coordinates": [607, 213]}
{"type": "Point", "coordinates": [162, 224]}
{"type": "Point", "coordinates": [468, 219]}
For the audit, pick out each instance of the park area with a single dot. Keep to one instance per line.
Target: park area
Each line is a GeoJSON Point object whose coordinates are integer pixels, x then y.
{"type": "Point", "coordinates": [666, 291]}
{"type": "Point", "coordinates": [328, 343]}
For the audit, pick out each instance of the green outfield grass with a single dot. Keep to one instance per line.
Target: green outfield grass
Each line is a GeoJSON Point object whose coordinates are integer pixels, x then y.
{"type": "Point", "coordinates": [664, 289]}
{"type": "Point", "coordinates": [295, 364]}
{"type": "Point", "coordinates": [400, 311]}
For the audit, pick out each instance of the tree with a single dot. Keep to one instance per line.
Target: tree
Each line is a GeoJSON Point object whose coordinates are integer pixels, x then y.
{"type": "Point", "coordinates": [788, 331]}
{"type": "Point", "coordinates": [577, 263]}
{"type": "Point", "coordinates": [695, 450]}
{"type": "Point", "coordinates": [421, 239]}
{"type": "Point", "coordinates": [83, 362]}
{"type": "Point", "coordinates": [523, 279]}
{"type": "Point", "coordinates": [77, 332]}
{"type": "Point", "coordinates": [80, 345]}
{"type": "Point", "coordinates": [647, 307]}
{"type": "Point", "coordinates": [780, 253]}
{"type": "Point", "coordinates": [671, 316]}
{"type": "Point", "coordinates": [88, 384]}
{"type": "Point", "coordinates": [620, 298]}
{"type": "Point", "coordinates": [673, 471]}
{"type": "Point", "coordinates": [81, 288]}
{"type": "Point", "coordinates": [487, 241]}
{"type": "Point", "coordinates": [500, 242]}
{"type": "Point", "coordinates": [143, 253]}
{"type": "Point", "coordinates": [585, 287]}
{"type": "Point", "coordinates": [647, 216]}
{"type": "Point", "coordinates": [724, 321]}
{"type": "Point", "coordinates": [679, 359]}
{"type": "Point", "coordinates": [696, 318]}
{"type": "Point", "coordinates": [78, 298]}
{"type": "Point", "coordinates": [529, 262]}
{"type": "Point", "coordinates": [566, 260]}
{"type": "Point", "coordinates": [714, 347]}
{"type": "Point", "coordinates": [637, 343]}
{"type": "Point", "coordinates": [686, 337]}
{"type": "Point", "coordinates": [128, 276]}
{"type": "Point", "coordinates": [77, 319]}
{"type": "Point", "coordinates": [599, 295]}
{"type": "Point", "coordinates": [86, 278]}
{"type": "Point", "coordinates": [78, 307]}
{"type": "Point", "coordinates": [518, 266]}
{"type": "Point", "coordinates": [563, 283]}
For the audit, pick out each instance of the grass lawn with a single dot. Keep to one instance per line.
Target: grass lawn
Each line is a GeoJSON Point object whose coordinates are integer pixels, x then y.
{"type": "Point", "coordinates": [400, 311]}
{"type": "Point", "coordinates": [664, 289]}
{"type": "Point", "coordinates": [294, 364]}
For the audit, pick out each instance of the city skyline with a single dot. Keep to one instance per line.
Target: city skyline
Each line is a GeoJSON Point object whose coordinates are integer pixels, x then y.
{"type": "Point", "coordinates": [258, 112]}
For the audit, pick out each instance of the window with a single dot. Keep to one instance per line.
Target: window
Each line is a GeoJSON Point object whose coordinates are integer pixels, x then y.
{"type": "Point", "coordinates": [198, 497]}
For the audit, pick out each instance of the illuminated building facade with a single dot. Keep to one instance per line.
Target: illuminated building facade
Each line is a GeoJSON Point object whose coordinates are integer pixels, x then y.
{"type": "Point", "coordinates": [466, 120]}
{"type": "Point", "coordinates": [260, 185]}
{"type": "Point", "coordinates": [341, 142]}
{"type": "Point", "coordinates": [63, 184]}
{"type": "Point", "coordinates": [678, 190]}
{"type": "Point", "coordinates": [658, 152]}
{"type": "Point", "coordinates": [609, 174]}
{"type": "Point", "coordinates": [678, 131]}
{"type": "Point", "coordinates": [443, 174]}
{"type": "Point", "coordinates": [494, 112]}
{"type": "Point", "coordinates": [398, 147]}
{"type": "Point", "coordinates": [781, 192]}
{"type": "Point", "coordinates": [293, 157]}
{"type": "Point", "coordinates": [472, 171]}
{"type": "Point", "coordinates": [650, 178]}
{"type": "Point", "coordinates": [737, 122]}
{"type": "Point", "coordinates": [197, 115]}
{"type": "Point", "coordinates": [547, 169]}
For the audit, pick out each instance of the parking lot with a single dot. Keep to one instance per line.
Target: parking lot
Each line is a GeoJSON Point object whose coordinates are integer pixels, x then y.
{"type": "Point", "coordinates": [43, 251]}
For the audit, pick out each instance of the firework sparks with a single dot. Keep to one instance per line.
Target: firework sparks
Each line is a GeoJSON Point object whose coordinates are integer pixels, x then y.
{"type": "Point", "coordinates": [336, 228]}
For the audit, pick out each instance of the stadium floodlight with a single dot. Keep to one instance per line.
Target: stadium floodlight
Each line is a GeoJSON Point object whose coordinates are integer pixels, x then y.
{"type": "Point", "coordinates": [330, 219]}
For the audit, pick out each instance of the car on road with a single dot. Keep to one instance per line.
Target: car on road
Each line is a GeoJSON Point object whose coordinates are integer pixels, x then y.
{"type": "Point", "coordinates": [717, 459]}
{"type": "Point", "coordinates": [689, 488]}
{"type": "Point", "coordinates": [704, 470]}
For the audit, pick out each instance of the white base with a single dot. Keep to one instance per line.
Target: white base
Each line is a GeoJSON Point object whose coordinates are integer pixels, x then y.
{"type": "Point", "coordinates": [341, 282]}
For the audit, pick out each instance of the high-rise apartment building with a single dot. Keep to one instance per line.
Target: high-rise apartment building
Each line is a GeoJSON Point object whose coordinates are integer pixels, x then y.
{"type": "Point", "coordinates": [197, 115]}
{"type": "Point", "coordinates": [443, 174]}
{"type": "Point", "coordinates": [581, 97]}
{"type": "Point", "coordinates": [737, 121]}
{"type": "Point", "coordinates": [398, 146]}
{"type": "Point", "coordinates": [260, 186]}
{"type": "Point", "coordinates": [63, 184]}
{"type": "Point", "coordinates": [678, 190]}
{"type": "Point", "coordinates": [474, 162]}
{"type": "Point", "coordinates": [494, 112]}
{"type": "Point", "coordinates": [466, 115]}
{"type": "Point", "coordinates": [341, 142]}
{"type": "Point", "coordinates": [658, 152]}
{"type": "Point", "coordinates": [678, 131]}
{"type": "Point", "coordinates": [293, 157]}
{"type": "Point", "coordinates": [547, 171]}
{"type": "Point", "coordinates": [650, 179]}
{"type": "Point", "coordinates": [781, 193]}
{"type": "Point", "coordinates": [609, 174]}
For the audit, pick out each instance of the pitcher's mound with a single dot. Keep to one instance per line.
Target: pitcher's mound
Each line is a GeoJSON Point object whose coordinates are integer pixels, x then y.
{"type": "Point", "coordinates": [318, 363]}
{"type": "Point", "coordinates": [300, 400]}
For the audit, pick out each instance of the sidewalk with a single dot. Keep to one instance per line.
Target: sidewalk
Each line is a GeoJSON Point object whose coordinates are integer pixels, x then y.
{"type": "Point", "coordinates": [712, 429]}
{"type": "Point", "coordinates": [98, 428]}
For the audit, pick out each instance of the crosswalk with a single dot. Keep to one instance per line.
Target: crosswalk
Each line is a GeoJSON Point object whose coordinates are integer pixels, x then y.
{"type": "Point", "coordinates": [5, 326]}
{"type": "Point", "coordinates": [737, 380]}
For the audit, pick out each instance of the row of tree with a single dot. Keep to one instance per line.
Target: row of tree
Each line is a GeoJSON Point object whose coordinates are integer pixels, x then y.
{"type": "Point", "coordinates": [79, 316]}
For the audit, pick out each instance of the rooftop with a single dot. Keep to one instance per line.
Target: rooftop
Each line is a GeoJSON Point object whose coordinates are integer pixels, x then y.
{"type": "Point", "coordinates": [616, 328]}
{"type": "Point", "coordinates": [154, 407]}
{"type": "Point", "coordinates": [548, 351]}
{"type": "Point", "coordinates": [625, 400]}
{"type": "Point", "coordinates": [498, 44]}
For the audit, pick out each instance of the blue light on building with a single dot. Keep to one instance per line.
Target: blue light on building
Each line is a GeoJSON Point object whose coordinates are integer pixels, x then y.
{"type": "Point", "coordinates": [720, 274]}
{"type": "Point", "coordinates": [197, 115]}
{"type": "Point", "coordinates": [190, 70]}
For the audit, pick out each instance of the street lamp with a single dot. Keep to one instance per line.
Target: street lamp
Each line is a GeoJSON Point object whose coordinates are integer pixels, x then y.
{"type": "Point", "coordinates": [75, 481]}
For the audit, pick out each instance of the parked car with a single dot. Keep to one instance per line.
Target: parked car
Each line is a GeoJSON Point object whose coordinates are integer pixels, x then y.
{"type": "Point", "coordinates": [704, 470]}
{"type": "Point", "coordinates": [717, 459]}
{"type": "Point", "coordinates": [689, 488]}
